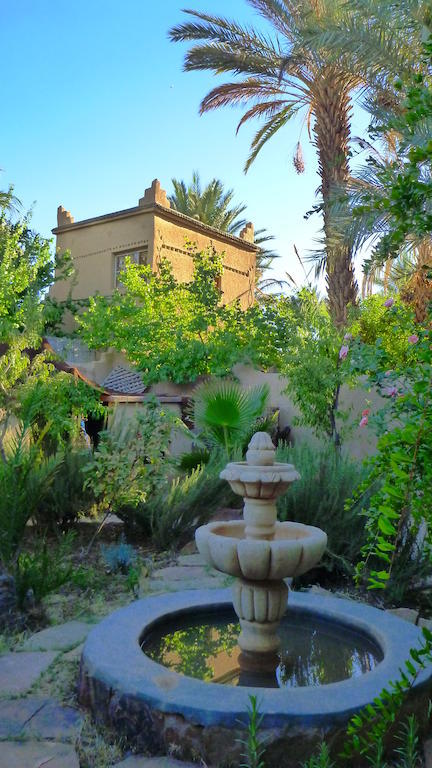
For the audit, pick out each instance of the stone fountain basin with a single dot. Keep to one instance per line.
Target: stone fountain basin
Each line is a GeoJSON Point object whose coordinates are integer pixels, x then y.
{"type": "Point", "coordinates": [157, 708]}
{"type": "Point", "coordinates": [294, 550]}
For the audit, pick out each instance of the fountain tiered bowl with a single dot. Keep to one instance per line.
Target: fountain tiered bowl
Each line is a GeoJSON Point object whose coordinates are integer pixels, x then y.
{"type": "Point", "coordinates": [260, 551]}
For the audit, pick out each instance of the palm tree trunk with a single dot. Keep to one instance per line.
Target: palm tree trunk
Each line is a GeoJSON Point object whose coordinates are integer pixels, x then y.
{"type": "Point", "coordinates": [332, 107]}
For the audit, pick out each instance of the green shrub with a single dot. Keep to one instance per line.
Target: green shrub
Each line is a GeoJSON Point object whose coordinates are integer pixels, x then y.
{"type": "Point", "coordinates": [327, 480]}
{"type": "Point", "coordinates": [44, 569]}
{"type": "Point", "coordinates": [172, 513]}
{"type": "Point", "coordinates": [68, 497]}
{"type": "Point", "coordinates": [132, 459]}
{"type": "Point", "coordinates": [25, 477]}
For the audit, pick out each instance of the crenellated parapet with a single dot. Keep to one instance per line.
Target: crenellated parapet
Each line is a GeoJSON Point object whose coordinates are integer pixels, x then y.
{"type": "Point", "coordinates": [64, 217]}
{"type": "Point", "coordinates": [248, 233]}
{"type": "Point", "coordinates": [155, 195]}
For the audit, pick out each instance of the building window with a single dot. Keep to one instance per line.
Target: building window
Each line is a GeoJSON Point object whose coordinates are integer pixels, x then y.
{"type": "Point", "coordinates": [136, 257]}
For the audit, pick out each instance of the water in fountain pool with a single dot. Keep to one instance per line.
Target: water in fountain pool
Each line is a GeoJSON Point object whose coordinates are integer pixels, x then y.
{"type": "Point", "coordinates": [312, 653]}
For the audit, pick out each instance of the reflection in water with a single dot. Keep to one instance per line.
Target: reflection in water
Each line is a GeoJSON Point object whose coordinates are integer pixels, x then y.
{"type": "Point", "coordinates": [204, 646]}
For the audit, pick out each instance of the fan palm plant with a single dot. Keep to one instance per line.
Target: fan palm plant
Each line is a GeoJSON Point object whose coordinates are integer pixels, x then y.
{"type": "Point", "coordinates": [293, 69]}
{"type": "Point", "coordinates": [225, 411]}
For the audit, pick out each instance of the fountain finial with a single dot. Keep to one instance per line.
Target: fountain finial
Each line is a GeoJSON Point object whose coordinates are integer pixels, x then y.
{"type": "Point", "coordinates": [261, 451]}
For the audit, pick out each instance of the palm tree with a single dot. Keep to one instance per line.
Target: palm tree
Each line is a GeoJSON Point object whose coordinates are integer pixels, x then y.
{"type": "Point", "coordinates": [280, 74]}
{"type": "Point", "coordinates": [211, 205]}
{"type": "Point", "coordinates": [8, 202]}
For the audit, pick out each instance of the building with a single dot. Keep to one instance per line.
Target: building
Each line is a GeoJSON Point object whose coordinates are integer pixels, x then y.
{"type": "Point", "coordinates": [147, 233]}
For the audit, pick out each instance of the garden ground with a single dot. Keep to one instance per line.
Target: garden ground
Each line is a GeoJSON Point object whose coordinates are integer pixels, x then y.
{"type": "Point", "coordinates": [40, 718]}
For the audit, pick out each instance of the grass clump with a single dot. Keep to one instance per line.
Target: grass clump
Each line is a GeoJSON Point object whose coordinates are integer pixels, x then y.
{"type": "Point", "coordinates": [327, 481]}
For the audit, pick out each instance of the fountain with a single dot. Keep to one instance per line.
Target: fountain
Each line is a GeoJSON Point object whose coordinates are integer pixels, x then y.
{"type": "Point", "coordinates": [176, 671]}
{"type": "Point", "coordinates": [259, 551]}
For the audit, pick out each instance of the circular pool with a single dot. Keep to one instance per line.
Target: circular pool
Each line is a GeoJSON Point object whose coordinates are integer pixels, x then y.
{"type": "Point", "coordinates": [181, 699]}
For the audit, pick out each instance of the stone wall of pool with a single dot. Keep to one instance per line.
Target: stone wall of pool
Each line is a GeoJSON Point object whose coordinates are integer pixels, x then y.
{"type": "Point", "coordinates": [161, 711]}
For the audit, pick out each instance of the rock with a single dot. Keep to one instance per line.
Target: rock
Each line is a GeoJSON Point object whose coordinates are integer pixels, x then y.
{"type": "Point", "coordinates": [407, 614]}
{"type": "Point", "coordinates": [317, 590]}
{"type": "Point", "coordinates": [136, 761]}
{"type": "Point", "coordinates": [59, 638]}
{"type": "Point", "coordinates": [189, 549]}
{"type": "Point", "coordinates": [38, 717]}
{"type": "Point", "coordinates": [427, 752]}
{"type": "Point", "coordinates": [54, 721]}
{"type": "Point", "coordinates": [75, 654]}
{"type": "Point", "coordinates": [19, 671]}
{"type": "Point", "coordinates": [180, 573]}
{"type": "Point", "coordinates": [190, 560]}
{"type": "Point", "coordinates": [35, 754]}
{"type": "Point", "coordinates": [155, 586]}
{"type": "Point", "coordinates": [425, 623]}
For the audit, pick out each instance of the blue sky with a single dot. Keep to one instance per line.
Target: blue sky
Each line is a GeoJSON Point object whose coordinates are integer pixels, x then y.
{"type": "Point", "coordinates": [96, 105]}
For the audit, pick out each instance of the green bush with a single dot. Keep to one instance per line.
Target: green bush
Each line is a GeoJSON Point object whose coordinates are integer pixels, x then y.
{"type": "Point", "coordinates": [25, 477]}
{"type": "Point", "coordinates": [327, 481]}
{"type": "Point", "coordinates": [43, 570]}
{"type": "Point", "coordinates": [172, 513]}
{"type": "Point", "coordinates": [133, 459]}
{"type": "Point", "coordinates": [68, 496]}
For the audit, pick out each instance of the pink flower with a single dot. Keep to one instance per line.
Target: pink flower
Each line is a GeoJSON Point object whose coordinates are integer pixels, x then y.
{"type": "Point", "coordinates": [348, 337]}
{"type": "Point", "coordinates": [388, 373]}
{"type": "Point", "coordinates": [343, 352]}
{"type": "Point", "coordinates": [366, 412]}
{"type": "Point", "coordinates": [389, 302]}
{"type": "Point", "coordinates": [364, 421]}
{"type": "Point", "coordinates": [413, 339]}
{"type": "Point", "coordinates": [390, 391]}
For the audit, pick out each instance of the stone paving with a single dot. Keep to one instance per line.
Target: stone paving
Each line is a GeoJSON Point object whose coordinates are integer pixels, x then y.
{"type": "Point", "coordinates": [36, 731]}
{"type": "Point", "coordinates": [135, 761]}
{"type": "Point", "coordinates": [19, 671]}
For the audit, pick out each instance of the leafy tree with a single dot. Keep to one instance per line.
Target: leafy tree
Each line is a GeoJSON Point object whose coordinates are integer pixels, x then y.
{"type": "Point", "coordinates": [401, 468]}
{"type": "Point", "coordinates": [26, 270]}
{"type": "Point", "coordinates": [298, 336]}
{"type": "Point", "coordinates": [171, 331]}
{"type": "Point", "coordinates": [131, 460]}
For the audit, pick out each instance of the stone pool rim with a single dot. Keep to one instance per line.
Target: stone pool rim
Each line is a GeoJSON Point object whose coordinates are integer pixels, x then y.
{"type": "Point", "coordinates": [113, 658]}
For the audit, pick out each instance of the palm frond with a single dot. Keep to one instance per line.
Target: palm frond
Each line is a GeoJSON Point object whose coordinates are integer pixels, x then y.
{"type": "Point", "coordinates": [272, 125]}
{"type": "Point", "coordinates": [224, 410]}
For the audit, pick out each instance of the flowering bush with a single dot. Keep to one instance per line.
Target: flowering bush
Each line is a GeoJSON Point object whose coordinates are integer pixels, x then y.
{"type": "Point", "coordinates": [402, 466]}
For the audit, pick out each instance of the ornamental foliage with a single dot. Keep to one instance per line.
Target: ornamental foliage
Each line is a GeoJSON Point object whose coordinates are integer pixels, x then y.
{"type": "Point", "coordinates": [402, 465]}
{"type": "Point", "coordinates": [171, 331]}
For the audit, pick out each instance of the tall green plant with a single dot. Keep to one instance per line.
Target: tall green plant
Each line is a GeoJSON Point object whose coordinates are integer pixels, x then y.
{"type": "Point", "coordinates": [25, 476]}
{"type": "Point", "coordinates": [402, 465]}
{"type": "Point", "coordinates": [173, 512]}
{"type": "Point", "coordinates": [319, 498]}
{"type": "Point", "coordinates": [132, 458]}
